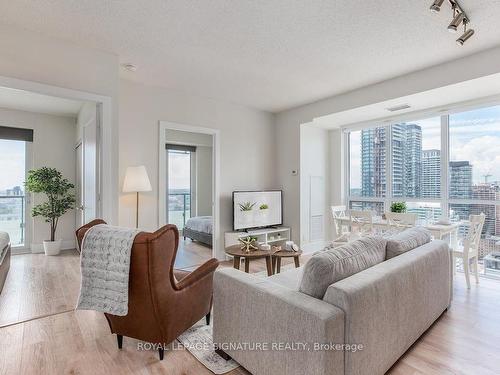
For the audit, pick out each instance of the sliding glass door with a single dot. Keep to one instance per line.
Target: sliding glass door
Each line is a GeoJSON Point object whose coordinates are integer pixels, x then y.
{"type": "Point", "coordinates": [179, 182]}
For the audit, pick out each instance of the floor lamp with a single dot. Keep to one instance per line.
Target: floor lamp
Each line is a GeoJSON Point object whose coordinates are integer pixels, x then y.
{"type": "Point", "coordinates": [136, 181]}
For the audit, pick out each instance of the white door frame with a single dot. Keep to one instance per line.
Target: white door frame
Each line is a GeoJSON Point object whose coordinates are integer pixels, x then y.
{"type": "Point", "coordinates": [108, 168]}
{"type": "Point", "coordinates": [162, 177]}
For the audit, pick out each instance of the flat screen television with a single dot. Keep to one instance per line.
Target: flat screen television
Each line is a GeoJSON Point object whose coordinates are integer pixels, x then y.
{"type": "Point", "coordinates": [257, 209]}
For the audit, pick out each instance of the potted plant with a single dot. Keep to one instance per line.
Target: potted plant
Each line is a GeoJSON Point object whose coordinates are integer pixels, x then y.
{"type": "Point", "coordinates": [399, 207]}
{"type": "Point", "coordinates": [60, 199]}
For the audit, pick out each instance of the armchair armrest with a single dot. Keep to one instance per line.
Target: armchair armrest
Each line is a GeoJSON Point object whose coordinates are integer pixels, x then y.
{"type": "Point", "coordinates": [198, 274]}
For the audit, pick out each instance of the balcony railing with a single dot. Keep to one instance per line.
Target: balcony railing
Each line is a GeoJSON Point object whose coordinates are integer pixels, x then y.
{"type": "Point", "coordinates": [12, 218]}
{"type": "Point", "coordinates": [179, 209]}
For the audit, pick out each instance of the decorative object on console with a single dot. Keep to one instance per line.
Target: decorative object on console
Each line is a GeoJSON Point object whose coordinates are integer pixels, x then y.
{"type": "Point", "coordinates": [265, 247]}
{"type": "Point", "coordinates": [60, 199]}
{"type": "Point", "coordinates": [264, 206]}
{"type": "Point", "coordinates": [248, 243]}
{"type": "Point", "coordinates": [136, 181]}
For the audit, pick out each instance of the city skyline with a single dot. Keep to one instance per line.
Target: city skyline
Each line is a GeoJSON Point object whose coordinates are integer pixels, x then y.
{"type": "Point", "coordinates": [469, 133]}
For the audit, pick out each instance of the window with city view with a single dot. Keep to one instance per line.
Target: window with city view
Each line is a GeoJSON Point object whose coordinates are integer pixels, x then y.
{"type": "Point", "coordinates": [404, 162]}
{"type": "Point", "coordinates": [12, 202]}
{"type": "Point", "coordinates": [179, 187]}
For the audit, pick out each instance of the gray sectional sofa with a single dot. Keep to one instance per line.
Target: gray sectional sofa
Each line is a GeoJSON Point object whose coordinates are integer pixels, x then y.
{"type": "Point", "coordinates": [361, 324]}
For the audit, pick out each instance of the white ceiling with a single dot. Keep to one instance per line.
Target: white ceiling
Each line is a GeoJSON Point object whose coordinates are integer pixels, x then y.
{"type": "Point", "coordinates": [33, 102]}
{"type": "Point", "coordinates": [476, 92]}
{"type": "Point", "coordinates": [266, 54]}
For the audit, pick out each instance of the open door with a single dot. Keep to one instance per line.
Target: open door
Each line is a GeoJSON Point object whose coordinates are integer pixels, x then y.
{"type": "Point", "coordinates": [87, 174]}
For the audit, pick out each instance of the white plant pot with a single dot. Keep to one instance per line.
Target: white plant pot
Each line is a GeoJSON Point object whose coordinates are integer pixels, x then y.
{"type": "Point", "coordinates": [52, 247]}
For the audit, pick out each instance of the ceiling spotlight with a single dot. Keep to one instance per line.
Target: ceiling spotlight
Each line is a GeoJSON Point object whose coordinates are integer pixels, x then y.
{"type": "Point", "coordinates": [130, 67]}
{"type": "Point", "coordinates": [465, 36]}
{"type": "Point", "coordinates": [436, 7]}
{"type": "Point", "coordinates": [457, 20]}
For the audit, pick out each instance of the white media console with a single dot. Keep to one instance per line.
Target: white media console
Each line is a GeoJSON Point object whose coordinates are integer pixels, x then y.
{"type": "Point", "coordinates": [271, 236]}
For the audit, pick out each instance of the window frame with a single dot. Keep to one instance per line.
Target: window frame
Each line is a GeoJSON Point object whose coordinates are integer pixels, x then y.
{"type": "Point", "coordinates": [445, 201]}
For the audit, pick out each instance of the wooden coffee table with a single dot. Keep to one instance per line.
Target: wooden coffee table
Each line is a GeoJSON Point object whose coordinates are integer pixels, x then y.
{"type": "Point", "coordinates": [238, 253]}
{"type": "Point", "coordinates": [276, 259]}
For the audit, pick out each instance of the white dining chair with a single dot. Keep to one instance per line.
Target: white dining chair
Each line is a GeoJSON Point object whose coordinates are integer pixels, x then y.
{"type": "Point", "coordinates": [361, 221]}
{"type": "Point", "coordinates": [397, 222]}
{"type": "Point", "coordinates": [469, 249]}
{"type": "Point", "coordinates": [338, 213]}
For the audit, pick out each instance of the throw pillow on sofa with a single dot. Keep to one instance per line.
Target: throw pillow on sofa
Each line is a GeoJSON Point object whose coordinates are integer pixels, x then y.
{"type": "Point", "coordinates": [333, 264]}
{"type": "Point", "coordinates": [407, 240]}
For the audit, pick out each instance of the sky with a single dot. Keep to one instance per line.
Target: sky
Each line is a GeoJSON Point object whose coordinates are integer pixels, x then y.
{"type": "Point", "coordinates": [474, 136]}
{"type": "Point", "coordinates": [12, 164]}
{"type": "Point", "coordinates": [179, 170]}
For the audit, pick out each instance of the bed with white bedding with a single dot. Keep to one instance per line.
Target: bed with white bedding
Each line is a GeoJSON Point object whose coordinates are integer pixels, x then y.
{"type": "Point", "coordinates": [199, 228]}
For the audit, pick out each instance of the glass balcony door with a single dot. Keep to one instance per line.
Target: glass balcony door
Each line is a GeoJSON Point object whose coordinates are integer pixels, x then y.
{"type": "Point", "coordinates": [179, 185]}
{"type": "Point", "coordinates": [13, 203]}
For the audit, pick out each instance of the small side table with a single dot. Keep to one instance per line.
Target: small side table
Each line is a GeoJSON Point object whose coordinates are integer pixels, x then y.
{"type": "Point", "coordinates": [285, 254]}
{"type": "Point", "coordinates": [238, 253]}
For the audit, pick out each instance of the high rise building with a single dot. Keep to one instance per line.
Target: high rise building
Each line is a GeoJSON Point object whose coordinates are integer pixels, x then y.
{"type": "Point", "coordinates": [406, 161]}
{"type": "Point", "coordinates": [373, 182]}
{"type": "Point", "coordinates": [431, 174]}
{"type": "Point", "coordinates": [413, 160]}
{"type": "Point", "coordinates": [460, 179]}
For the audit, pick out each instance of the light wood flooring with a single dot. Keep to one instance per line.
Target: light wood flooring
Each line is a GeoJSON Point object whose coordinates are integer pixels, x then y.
{"type": "Point", "coordinates": [465, 340]}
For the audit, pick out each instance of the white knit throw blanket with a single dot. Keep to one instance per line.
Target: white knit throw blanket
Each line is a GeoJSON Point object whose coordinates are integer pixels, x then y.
{"type": "Point", "coordinates": [105, 266]}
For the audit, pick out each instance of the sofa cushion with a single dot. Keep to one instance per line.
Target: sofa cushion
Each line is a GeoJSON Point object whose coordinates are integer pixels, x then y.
{"type": "Point", "coordinates": [288, 278]}
{"type": "Point", "coordinates": [333, 264]}
{"type": "Point", "coordinates": [407, 240]}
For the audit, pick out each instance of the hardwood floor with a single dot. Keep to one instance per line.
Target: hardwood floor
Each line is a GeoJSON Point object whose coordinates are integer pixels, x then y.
{"type": "Point", "coordinates": [465, 340]}
{"type": "Point", "coordinates": [38, 285]}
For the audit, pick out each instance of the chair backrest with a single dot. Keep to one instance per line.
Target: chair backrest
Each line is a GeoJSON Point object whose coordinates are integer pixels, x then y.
{"type": "Point", "coordinates": [338, 212]}
{"type": "Point", "coordinates": [361, 220]}
{"type": "Point", "coordinates": [401, 219]}
{"type": "Point", "coordinates": [471, 241]}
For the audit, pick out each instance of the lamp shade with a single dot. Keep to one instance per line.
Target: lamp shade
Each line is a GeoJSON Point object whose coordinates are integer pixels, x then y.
{"type": "Point", "coordinates": [136, 179]}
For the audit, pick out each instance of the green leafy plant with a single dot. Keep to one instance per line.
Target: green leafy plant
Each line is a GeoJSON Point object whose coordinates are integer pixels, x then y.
{"type": "Point", "coordinates": [398, 207]}
{"type": "Point", "coordinates": [263, 206]}
{"type": "Point", "coordinates": [246, 206]}
{"type": "Point", "coordinates": [59, 193]}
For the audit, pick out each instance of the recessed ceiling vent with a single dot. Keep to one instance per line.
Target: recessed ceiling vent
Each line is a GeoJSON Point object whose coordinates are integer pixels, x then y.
{"type": "Point", "coordinates": [398, 108]}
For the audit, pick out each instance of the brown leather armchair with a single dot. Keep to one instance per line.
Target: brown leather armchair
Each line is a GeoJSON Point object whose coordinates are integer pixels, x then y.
{"type": "Point", "coordinates": [162, 302]}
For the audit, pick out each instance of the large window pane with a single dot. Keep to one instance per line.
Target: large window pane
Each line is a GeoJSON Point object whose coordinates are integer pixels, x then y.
{"type": "Point", "coordinates": [416, 159]}
{"type": "Point", "coordinates": [367, 162]}
{"type": "Point", "coordinates": [376, 207]}
{"type": "Point", "coordinates": [12, 203]}
{"type": "Point", "coordinates": [475, 154]}
{"type": "Point", "coordinates": [427, 212]}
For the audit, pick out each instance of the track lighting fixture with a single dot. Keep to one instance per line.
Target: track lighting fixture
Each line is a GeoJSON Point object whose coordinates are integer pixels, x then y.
{"type": "Point", "coordinates": [465, 36]}
{"type": "Point", "coordinates": [436, 7]}
{"type": "Point", "coordinates": [459, 18]}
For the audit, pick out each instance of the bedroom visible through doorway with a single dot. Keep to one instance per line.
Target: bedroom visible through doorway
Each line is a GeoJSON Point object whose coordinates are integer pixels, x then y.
{"type": "Point", "coordinates": [189, 193]}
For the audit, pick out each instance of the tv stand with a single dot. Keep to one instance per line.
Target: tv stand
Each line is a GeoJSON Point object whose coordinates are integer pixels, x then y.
{"type": "Point", "coordinates": [271, 236]}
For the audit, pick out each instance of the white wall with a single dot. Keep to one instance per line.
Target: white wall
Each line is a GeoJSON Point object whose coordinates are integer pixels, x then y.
{"type": "Point", "coordinates": [314, 165]}
{"type": "Point", "coordinates": [204, 181]}
{"type": "Point", "coordinates": [53, 146]}
{"type": "Point", "coordinates": [247, 141]}
{"type": "Point", "coordinates": [288, 122]}
{"type": "Point", "coordinates": [33, 57]}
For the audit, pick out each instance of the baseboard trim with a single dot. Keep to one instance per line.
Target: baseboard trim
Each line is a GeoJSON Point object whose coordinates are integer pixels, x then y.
{"type": "Point", "coordinates": [65, 245]}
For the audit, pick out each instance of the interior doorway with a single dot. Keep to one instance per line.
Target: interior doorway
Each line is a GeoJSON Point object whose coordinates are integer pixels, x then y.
{"type": "Point", "coordinates": [188, 189]}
